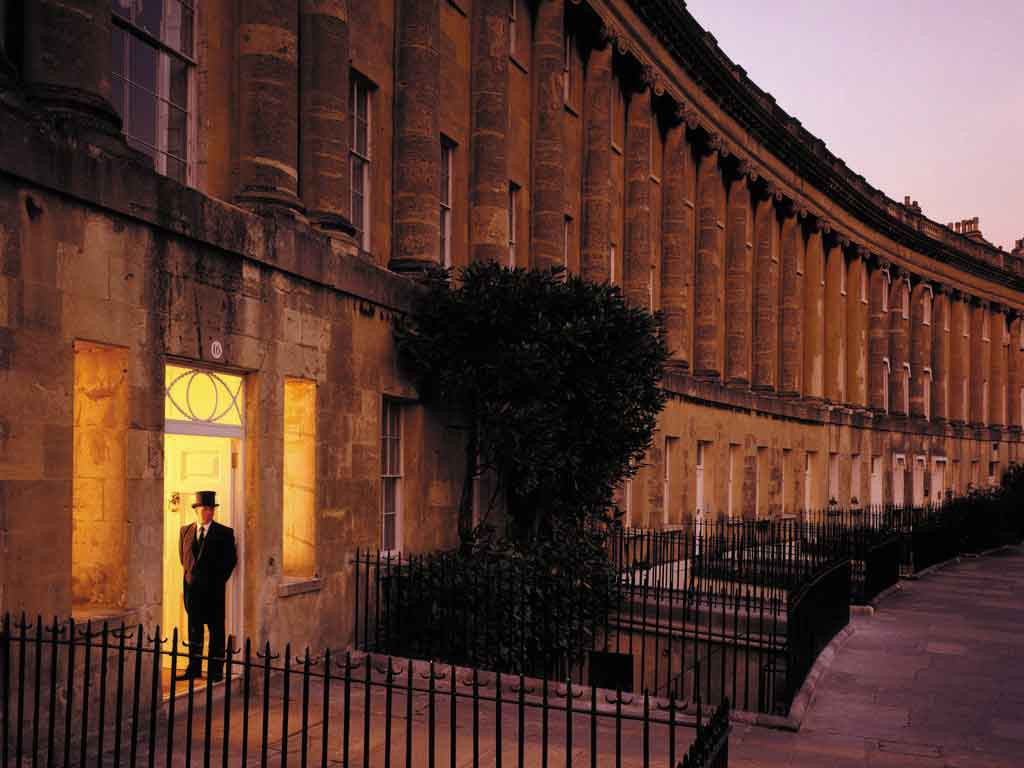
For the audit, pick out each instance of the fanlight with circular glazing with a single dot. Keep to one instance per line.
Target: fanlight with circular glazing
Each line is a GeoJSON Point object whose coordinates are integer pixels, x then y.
{"type": "Point", "coordinates": [206, 397]}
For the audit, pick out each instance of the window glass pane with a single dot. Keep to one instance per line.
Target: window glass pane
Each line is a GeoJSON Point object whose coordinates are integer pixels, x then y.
{"type": "Point", "coordinates": [206, 396]}
{"type": "Point", "coordinates": [187, 16]}
{"type": "Point", "coordinates": [149, 16]}
{"type": "Point", "coordinates": [352, 102]}
{"type": "Point", "coordinates": [178, 82]}
{"type": "Point", "coordinates": [362, 102]}
{"type": "Point", "coordinates": [142, 117]}
{"type": "Point", "coordinates": [177, 130]}
{"type": "Point", "coordinates": [177, 27]}
{"type": "Point", "coordinates": [176, 170]}
{"type": "Point", "coordinates": [117, 50]}
{"type": "Point", "coordinates": [362, 137]}
{"type": "Point", "coordinates": [142, 64]}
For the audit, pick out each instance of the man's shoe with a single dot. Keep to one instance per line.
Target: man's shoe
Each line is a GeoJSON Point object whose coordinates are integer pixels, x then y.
{"type": "Point", "coordinates": [188, 674]}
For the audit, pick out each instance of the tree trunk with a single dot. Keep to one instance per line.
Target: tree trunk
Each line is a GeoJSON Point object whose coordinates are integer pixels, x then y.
{"type": "Point", "coordinates": [466, 500]}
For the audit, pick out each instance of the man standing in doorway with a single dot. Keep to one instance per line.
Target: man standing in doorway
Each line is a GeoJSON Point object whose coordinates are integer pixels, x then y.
{"type": "Point", "coordinates": [207, 551]}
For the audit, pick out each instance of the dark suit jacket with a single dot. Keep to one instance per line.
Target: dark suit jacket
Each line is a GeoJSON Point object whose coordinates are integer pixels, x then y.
{"type": "Point", "coordinates": [206, 573]}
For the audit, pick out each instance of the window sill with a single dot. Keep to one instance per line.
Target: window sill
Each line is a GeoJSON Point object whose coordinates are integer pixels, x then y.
{"type": "Point", "coordinates": [298, 585]}
{"type": "Point", "coordinates": [571, 109]}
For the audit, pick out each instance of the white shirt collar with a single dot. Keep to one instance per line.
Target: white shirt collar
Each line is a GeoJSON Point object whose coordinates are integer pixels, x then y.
{"type": "Point", "coordinates": [204, 526]}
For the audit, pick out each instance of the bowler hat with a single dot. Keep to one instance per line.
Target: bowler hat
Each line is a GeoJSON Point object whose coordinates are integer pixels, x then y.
{"type": "Point", "coordinates": [206, 499]}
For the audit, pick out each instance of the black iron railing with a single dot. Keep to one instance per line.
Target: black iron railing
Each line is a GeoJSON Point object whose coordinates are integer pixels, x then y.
{"type": "Point", "coordinates": [696, 613]}
{"type": "Point", "coordinates": [817, 611]}
{"type": "Point", "coordinates": [85, 695]}
{"type": "Point", "coordinates": [726, 597]}
{"type": "Point", "coordinates": [881, 557]}
{"type": "Point", "coordinates": [711, 749]}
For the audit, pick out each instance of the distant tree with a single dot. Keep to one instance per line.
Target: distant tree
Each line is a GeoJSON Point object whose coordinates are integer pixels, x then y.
{"type": "Point", "coordinates": [556, 379]}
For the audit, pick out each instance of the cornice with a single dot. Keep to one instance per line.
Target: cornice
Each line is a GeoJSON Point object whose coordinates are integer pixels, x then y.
{"type": "Point", "coordinates": [696, 51]}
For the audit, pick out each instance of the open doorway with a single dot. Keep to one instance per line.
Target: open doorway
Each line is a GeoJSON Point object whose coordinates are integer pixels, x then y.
{"type": "Point", "coordinates": [203, 451]}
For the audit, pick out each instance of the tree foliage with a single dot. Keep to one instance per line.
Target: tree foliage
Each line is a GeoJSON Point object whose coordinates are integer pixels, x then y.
{"type": "Point", "coordinates": [556, 379]}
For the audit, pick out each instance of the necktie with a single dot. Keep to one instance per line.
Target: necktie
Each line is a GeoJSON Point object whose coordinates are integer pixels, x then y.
{"type": "Point", "coordinates": [202, 533]}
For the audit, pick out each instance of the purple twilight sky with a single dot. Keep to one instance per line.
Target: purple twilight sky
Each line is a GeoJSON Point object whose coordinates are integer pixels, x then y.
{"type": "Point", "coordinates": [924, 98]}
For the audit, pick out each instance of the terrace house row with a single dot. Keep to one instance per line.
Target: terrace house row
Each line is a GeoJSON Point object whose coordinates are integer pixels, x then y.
{"type": "Point", "coordinates": [211, 211]}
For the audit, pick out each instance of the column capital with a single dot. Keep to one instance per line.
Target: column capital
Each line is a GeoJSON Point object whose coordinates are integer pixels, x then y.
{"type": "Point", "coordinates": [649, 79]}
{"type": "Point", "coordinates": [820, 224]}
{"type": "Point", "coordinates": [940, 288]}
{"type": "Point", "coordinates": [606, 35]}
{"type": "Point", "coordinates": [795, 207]}
{"type": "Point", "coordinates": [862, 252]}
{"type": "Point", "coordinates": [715, 143]}
{"type": "Point", "coordinates": [769, 189]}
{"type": "Point", "coordinates": [687, 115]}
{"type": "Point", "coordinates": [836, 238]}
{"type": "Point", "coordinates": [983, 303]}
{"type": "Point", "coordinates": [746, 167]}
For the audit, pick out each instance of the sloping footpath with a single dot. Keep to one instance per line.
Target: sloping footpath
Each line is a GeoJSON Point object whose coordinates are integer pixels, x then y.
{"type": "Point", "coordinates": [934, 678]}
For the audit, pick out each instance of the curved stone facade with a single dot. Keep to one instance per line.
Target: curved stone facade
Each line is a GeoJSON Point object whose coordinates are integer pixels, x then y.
{"type": "Point", "coordinates": [826, 342]}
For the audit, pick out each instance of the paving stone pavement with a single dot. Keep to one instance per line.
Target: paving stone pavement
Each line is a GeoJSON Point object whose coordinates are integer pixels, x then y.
{"type": "Point", "coordinates": [934, 678]}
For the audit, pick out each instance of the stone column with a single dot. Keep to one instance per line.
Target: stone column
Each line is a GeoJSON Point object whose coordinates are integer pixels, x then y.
{"type": "Point", "coordinates": [940, 352]}
{"type": "Point", "coordinates": [766, 294]}
{"type": "Point", "coordinates": [997, 379]}
{"type": "Point", "coordinates": [857, 318]}
{"type": "Point", "coordinates": [920, 348]}
{"type": "Point", "coordinates": [708, 300]}
{"type": "Point", "coordinates": [791, 310]}
{"type": "Point", "coordinates": [324, 65]}
{"type": "Point", "coordinates": [548, 210]}
{"type": "Point", "coordinates": [417, 178]}
{"type": "Point", "coordinates": [739, 254]}
{"type": "Point", "coordinates": [268, 83]}
{"type": "Point", "coordinates": [814, 316]}
{"type": "Point", "coordinates": [899, 342]}
{"type": "Point", "coordinates": [960, 358]}
{"type": "Point", "coordinates": [981, 359]}
{"type": "Point", "coordinates": [878, 335]}
{"type": "Point", "coordinates": [66, 61]}
{"type": "Point", "coordinates": [1014, 374]}
{"type": "Point", "coordinates": [677, 245]}
{"type": "Point", "coordinates": [835, 322]}
{"type": "Point", "coordinates": [597, 163]}
{"type": "Point", "coordinates": [637, 256]}
{"type": "Point", "coordinates": [488, 191]}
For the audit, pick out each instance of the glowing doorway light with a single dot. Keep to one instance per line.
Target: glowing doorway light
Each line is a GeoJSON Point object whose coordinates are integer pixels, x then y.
{"type": "Point", "coordinates": [204, 397]}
